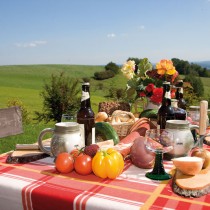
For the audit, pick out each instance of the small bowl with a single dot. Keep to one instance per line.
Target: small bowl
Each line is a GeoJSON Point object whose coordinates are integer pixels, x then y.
{"type": "Point", "coordinates": [188, 165]}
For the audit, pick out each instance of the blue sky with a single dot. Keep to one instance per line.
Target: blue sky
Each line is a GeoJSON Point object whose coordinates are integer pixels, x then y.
{"type": "Point", "coordinates": [95, 32]}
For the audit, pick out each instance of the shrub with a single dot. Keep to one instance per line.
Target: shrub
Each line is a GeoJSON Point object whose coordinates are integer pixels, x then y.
{"type": "Point", "coordinates": [112, 67]}
{"type": "Point", "coordinates": [196, 83]}
{"type": "Point", "coordinates": [118, 94]}
{"type": "Point", "coordinates": [60, 96]}
{"type": "Point", "coordinates": [86, 79]}
{"type": "Point", "coordinates": [104, 75]}
{"type": "Point", "coordinates": [190, 97]}
{"type": "Point", "coordinates": [24, 110]}
{"type": "Point", "coordinates": [100, 86]}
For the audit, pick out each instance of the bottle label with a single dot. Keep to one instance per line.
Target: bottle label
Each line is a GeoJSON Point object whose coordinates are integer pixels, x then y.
{"type": "Point", "coordinates": [93, 135]}
{"type": "Point", "coordinates": [85, 96]}
{"type": "Point", "coordinates": [82, 131]}
{"type": "Point", "coordinates": [181, 90]}
{"type": "Point", "coordinates": [168, 94]}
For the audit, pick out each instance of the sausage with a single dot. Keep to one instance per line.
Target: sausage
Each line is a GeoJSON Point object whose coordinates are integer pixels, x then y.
{"type": "Point", "coordinates": [125, 144]}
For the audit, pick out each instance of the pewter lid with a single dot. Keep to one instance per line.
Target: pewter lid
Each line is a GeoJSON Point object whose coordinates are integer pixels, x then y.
{"type": "Point", "coordinates": [177, 124]}
{"type": "Point", "coordinates": [66, 127]}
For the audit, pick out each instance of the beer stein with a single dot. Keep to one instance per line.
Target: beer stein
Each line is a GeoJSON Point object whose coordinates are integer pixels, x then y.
{"type": "Point", "coordinates": [66, 135]}
{"type": "Point", "coordinates": [183, 140]}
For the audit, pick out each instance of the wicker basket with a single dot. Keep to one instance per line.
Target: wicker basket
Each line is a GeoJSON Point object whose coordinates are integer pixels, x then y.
{"type": "Point", "coordinates": [122, 128]}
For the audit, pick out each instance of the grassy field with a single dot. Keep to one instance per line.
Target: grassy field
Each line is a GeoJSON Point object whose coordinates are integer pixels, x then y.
{"type": "Point", "coordinates": [25, 82]}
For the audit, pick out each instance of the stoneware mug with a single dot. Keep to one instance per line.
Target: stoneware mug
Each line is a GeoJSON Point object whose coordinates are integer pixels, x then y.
{"type": "Point", "coordinates": [66, 135]}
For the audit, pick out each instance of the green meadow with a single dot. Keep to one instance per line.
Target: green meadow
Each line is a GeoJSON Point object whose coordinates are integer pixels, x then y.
{"type": "Point", "coordinates": [25, 82]}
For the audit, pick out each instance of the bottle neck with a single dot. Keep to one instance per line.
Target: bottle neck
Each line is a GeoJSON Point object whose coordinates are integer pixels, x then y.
{"type": "Point", "coordinates": [85, 99]}
{"type": "Point", "coordinates": [179, 93]}
{"type": "Point", "coordinates": [166, 100]}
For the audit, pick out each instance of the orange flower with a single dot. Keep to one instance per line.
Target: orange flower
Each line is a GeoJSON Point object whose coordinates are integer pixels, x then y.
{"type": "Point", "coordinates": [165, 67]}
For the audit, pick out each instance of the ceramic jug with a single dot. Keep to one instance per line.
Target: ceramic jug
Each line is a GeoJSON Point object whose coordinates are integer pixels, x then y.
{"type": "Point", "coordinates": [183, 140]}
{"type": "Point", "coordinates": [66, 135]}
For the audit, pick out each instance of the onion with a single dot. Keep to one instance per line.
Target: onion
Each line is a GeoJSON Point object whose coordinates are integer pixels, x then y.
{"type": "Point", "coordinates": [101, 117]}
{"type": "Point", "coordinates": [140, 156]}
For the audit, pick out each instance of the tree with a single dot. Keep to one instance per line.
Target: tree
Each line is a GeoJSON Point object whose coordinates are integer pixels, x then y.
{"type": "Point", "coordinates": [183, 67]}
{"type": "Point", "coordinates": [112, 67]}
{"type": "Point", "coordinates": [137, 60]}
{"type": "Point", "coordinates": [61, 95]}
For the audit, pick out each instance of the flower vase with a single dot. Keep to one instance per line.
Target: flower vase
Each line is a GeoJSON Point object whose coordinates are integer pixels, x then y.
{"type": "Point", "coordinates": [151, 105]}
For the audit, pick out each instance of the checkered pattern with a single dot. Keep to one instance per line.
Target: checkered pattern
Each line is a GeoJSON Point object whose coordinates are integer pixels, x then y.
{"type": "Point", "coordinates": [37, 185]}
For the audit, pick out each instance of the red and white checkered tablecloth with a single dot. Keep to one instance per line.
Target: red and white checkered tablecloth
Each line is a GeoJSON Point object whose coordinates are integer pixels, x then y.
{"type": "Point", "coordinates": [37, 186]}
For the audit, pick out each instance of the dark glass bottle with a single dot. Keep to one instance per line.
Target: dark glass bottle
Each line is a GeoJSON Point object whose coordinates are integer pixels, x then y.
{"type": "Point", "coordinates": [179, 113]}
{"type": "Point", "coordinates": [166, 111]}
{"type": "Point", "coordinates": [86, 116]}
{"type": "Point", "coordinates": [179, 95]}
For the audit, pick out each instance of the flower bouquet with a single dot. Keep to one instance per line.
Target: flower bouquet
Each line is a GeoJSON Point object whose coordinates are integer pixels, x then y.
{"type": "Point", "coordinates": [145, 81]}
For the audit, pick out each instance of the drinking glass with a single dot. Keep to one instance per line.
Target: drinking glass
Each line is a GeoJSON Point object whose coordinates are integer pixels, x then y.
{"type": "Point", "coordinates": [68, 118]}
{"type": "Point", "coordinates": [158, 141]}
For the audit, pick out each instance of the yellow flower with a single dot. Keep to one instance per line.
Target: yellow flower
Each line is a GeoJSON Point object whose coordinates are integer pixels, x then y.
{"type": "Point", "coordinates": [165, 67]}
{"type": "Point", "coordinates": [128, 69]}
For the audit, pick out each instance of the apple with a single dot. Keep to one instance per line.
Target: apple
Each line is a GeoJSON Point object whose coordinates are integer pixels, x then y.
{"type": "Point", "coordinates": [204, 154]}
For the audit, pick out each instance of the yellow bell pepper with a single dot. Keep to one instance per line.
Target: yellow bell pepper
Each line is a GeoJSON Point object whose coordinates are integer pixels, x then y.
{"type": "Point", "coordinates": [108, 163]}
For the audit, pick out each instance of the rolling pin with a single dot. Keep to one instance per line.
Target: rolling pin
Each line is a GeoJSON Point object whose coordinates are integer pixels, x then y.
{"type": "Point", "coordinates": [203, 120]}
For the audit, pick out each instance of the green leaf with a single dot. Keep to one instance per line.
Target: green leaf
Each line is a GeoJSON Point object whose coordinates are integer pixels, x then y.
{"type": "Point", "coordinates": [144, 66]}
{"type": "Point", "coordinates": [131, 92]}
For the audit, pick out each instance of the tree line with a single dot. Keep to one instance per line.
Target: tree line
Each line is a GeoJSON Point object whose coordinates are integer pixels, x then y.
{"type": "Point", "coordinates": [182, 66]}
{"type": "Point", "coordinates": [185, 68]}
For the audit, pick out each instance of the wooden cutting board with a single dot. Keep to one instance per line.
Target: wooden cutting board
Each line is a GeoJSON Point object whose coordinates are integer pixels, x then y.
{"type": "Point", "coordinates": [191, 186]}
{"type": "Point", "coordinates": [27, 153]}
{"type": "Point", "coordinates": [25, 156]}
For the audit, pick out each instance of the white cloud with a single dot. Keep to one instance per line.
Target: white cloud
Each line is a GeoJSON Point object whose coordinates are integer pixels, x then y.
{"type": "Point", "coordinates": [111, 35]}
{"type": "Point", "coordinates": [31, 44]}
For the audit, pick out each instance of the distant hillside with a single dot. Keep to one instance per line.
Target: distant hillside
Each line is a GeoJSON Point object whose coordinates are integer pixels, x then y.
{"type": "Point", "coordinates": [204, 64]}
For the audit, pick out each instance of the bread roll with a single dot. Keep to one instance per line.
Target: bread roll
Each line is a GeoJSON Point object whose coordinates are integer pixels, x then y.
{"type": "Point", "coordinates": [123, 115]}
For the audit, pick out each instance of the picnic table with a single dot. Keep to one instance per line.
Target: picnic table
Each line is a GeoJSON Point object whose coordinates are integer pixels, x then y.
{"type": "Point", "coordinates": [38, 186]}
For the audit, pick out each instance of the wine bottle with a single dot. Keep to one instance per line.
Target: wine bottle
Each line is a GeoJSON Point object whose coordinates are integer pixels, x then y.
{"type": "Point", "coordinates": [179, 113]}
{"type": "Point", "coordinates": [166, 111]}
{"type": "Point", "coordinates": [86, 116]}
{"type": "Point", "coordinates": [179, 95]}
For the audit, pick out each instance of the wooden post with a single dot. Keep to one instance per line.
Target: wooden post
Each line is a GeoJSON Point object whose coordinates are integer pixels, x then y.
{"type": "Point", "coordinates": [10, 121]}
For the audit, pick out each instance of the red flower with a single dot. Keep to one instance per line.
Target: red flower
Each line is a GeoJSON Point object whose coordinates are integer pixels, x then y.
{"type": "Point", "coordinates": [157, 95]}
{"type": "Point", "coordinates": [150, 87]}
{"type": "Point", "coordinates": [142, 94]}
